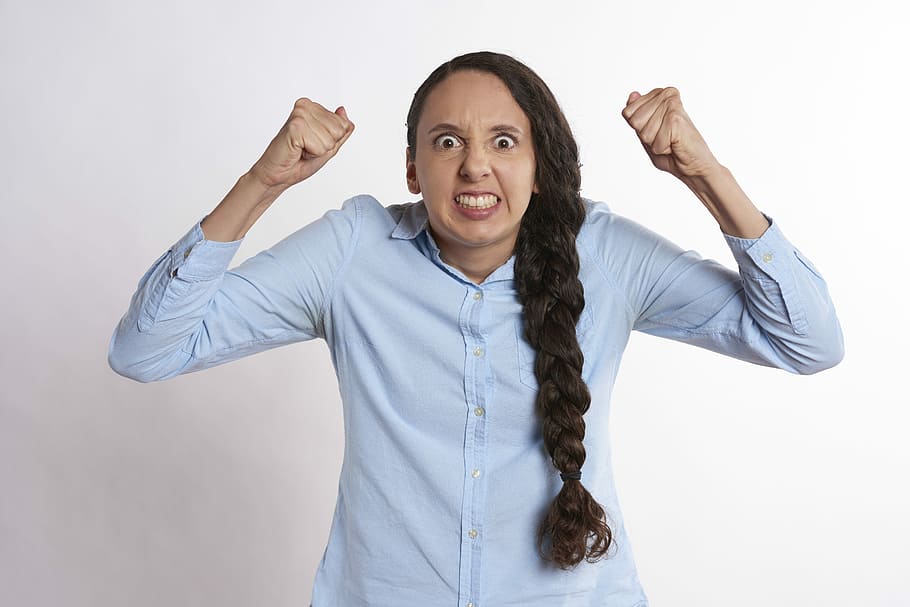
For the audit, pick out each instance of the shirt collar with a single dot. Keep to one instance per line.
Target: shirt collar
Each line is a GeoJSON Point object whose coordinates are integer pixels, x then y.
{"type": "Point", "coordinates": [413, 221]}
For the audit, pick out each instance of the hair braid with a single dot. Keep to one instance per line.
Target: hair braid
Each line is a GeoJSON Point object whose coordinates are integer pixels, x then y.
{"type": "Point", "coordinates": [546, 269]}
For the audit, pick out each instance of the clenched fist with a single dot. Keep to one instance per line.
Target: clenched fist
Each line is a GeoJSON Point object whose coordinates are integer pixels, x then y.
{"type": "Point", "coordinates": [309, 139]}
{"type": "Point", "coordinates": [668, 135]}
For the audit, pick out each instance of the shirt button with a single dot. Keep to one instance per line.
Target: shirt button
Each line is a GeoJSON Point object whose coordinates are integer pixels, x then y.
{"type": "Point", "coordinates": [469, 605]}
{"type": "Point", "coordinates": [478, 351]}
{"type": "Point", "coordinates": [476, 473]}
{"type": "Point", "coordinates": [767, 257]}
{"type": "Point", "coordinates": [472, 533]}
{"type": "Point", "coordinates": [478, 411]}
{"type": "Point", "coordinates": [477, 295]}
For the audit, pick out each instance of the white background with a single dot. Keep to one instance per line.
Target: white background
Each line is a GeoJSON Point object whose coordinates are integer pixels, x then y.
{"type": "Point", "coordinates": [124, 123]}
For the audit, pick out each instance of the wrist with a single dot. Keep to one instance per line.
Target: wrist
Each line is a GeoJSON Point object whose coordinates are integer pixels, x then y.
{"type": "Point", "coordinates": [709, 180]}
{"type": "Point", "coordinates": [239, 210]}
{"type": "Point", "coordinates": [261, 189]}
{"type": "Point", "coordinates": [728, 203]}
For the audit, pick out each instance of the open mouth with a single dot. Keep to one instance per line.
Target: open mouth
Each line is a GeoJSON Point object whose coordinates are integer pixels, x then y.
{"type": "Point", "coordinates": [484, 201]}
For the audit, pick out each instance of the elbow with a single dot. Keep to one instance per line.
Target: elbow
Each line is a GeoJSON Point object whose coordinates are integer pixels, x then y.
{"type": "Point", "coordinates": [122, 363]}
{"type": "Point", "coordinates": [128, 370]}
{"type": "Point", "coordinates": [821, 363]}
{"type": "Point", "coordinates": [828, 352]}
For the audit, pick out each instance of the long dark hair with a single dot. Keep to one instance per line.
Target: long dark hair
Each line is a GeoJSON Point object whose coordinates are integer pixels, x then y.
{"type": "Point", "coordinates": [552, 296]}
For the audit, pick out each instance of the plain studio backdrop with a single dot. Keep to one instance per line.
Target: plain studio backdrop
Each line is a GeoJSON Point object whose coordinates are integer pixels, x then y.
{"type": "Point", "coordinates": [125, 123]}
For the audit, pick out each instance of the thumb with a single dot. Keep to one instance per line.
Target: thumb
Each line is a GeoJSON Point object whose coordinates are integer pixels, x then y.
{"type": "Point", "coordinates": [632, 97]}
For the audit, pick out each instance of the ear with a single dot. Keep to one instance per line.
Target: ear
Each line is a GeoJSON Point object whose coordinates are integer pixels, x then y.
{"type": "Point", "coordinates": [535, 190]}
{"type": "Point", "coordinates": [411, 172]}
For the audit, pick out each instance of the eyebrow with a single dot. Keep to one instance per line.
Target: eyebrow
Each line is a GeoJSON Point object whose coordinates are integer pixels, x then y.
{"type": "Point", "coordinates": [506, 128]}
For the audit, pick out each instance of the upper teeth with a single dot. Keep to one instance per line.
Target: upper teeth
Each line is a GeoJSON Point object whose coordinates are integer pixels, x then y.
{"type": "Point", "coordinates": [482, 202]}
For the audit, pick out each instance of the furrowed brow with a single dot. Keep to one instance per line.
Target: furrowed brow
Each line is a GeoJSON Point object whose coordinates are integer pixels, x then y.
{"type": "Point", "coordinates": [499, 128]}
{"type": "Point", "coordinates": [443, 126]}
{"type": "Point", "coordinates": [506, 128]}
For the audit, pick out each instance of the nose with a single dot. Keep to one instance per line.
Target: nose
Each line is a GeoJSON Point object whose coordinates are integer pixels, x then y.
{"type": "Point", "coordinates": [476, 164]}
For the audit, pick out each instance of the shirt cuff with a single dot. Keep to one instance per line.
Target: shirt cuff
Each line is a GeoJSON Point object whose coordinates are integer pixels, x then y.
{"type": "Point", "coordinates": [771, 256]}
{"type": "Point", "coordinates": [766, 255]}
{"type": "Point", "coordinates": [195, 258]}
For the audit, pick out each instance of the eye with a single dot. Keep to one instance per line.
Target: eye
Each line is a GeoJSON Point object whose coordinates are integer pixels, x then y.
{"type": "Point", "coordinates": [446, 142]}
{"type": "Point", "coordinates": [504, 142]}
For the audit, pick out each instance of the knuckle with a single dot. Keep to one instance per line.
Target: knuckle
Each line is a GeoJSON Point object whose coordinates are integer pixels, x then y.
{"type": "Point", "coordinates": [675, 118]}
{"type": "Point", "coordinates": [297, 123]}
{"type": "Point", "coordinates": [337, 128]}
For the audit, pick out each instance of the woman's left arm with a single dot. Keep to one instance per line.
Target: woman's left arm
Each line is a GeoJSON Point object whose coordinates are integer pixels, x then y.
{"type": "Point", "coordinates": [676, 147]}
{"type": "Point", "coordinates": [784, 294]}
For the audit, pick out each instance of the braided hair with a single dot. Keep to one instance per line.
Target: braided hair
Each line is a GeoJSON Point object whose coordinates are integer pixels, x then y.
{"type": "Point", "coordinates": [552, 296]}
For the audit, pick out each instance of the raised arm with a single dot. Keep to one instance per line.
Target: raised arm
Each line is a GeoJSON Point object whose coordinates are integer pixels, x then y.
{"type": "Point", "coordinates": [776, 311]}
{"type": "Point", "coordinates": [189, 312]}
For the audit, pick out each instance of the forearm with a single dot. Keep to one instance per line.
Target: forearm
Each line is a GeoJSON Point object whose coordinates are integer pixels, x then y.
{"type": "Point", "coordinates": [728, 203]}
{"type": "Point", "coordinates": [239, 210]}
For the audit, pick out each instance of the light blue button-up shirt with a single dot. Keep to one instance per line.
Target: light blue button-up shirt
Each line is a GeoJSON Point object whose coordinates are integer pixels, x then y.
{"type": "Point", "coordinates": [445, 477]}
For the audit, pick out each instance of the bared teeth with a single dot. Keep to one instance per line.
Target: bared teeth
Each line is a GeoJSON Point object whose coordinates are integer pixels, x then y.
{"type": "Point", "coordinates": [476, 202]}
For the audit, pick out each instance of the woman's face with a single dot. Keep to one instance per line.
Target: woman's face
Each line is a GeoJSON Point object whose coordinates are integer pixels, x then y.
{"type": "Point", "coordinates": [474, 165]}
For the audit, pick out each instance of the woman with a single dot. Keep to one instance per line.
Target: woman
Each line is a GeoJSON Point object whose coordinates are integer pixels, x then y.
{"type": "Point", "coordinates": [471, 331]}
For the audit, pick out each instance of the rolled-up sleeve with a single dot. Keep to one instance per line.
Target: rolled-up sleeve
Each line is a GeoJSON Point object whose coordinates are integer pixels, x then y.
{"type": "Point", "coordinates": [775, 311]}
{"type": "Point", "coordinates": [189, 312]}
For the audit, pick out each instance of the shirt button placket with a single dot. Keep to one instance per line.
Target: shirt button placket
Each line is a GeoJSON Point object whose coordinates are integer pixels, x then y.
{"type": "Point", "coordinates": [473, 515]}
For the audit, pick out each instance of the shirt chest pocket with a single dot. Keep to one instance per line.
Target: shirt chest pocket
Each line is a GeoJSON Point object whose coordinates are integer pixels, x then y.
{"type": "Point", "coordinates": [526, 355]}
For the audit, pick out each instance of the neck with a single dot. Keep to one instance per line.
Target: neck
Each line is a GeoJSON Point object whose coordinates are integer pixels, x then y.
{"type": "Point", "coordinates": [476, 273]}
{"type": "Point", "coordinates": [476, 262]}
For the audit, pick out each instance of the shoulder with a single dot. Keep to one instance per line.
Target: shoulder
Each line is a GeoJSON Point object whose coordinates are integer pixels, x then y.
{"type": "Point", "coordinates": [359, 215]}
{"type": "Point", "coordinates": [371, 212]}
{"type": "Point", "coordinates": [606, 230]}
{"type": "Point", "coordinates": [367, 219]}
{"type": "Point", "coordinates": [624, 250]}
{"type": "Point", "coordinates": [329, 243]}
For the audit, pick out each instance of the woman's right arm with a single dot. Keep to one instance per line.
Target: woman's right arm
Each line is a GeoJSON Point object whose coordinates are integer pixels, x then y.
{"type": "Point", "coordinates": [190, 313]}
